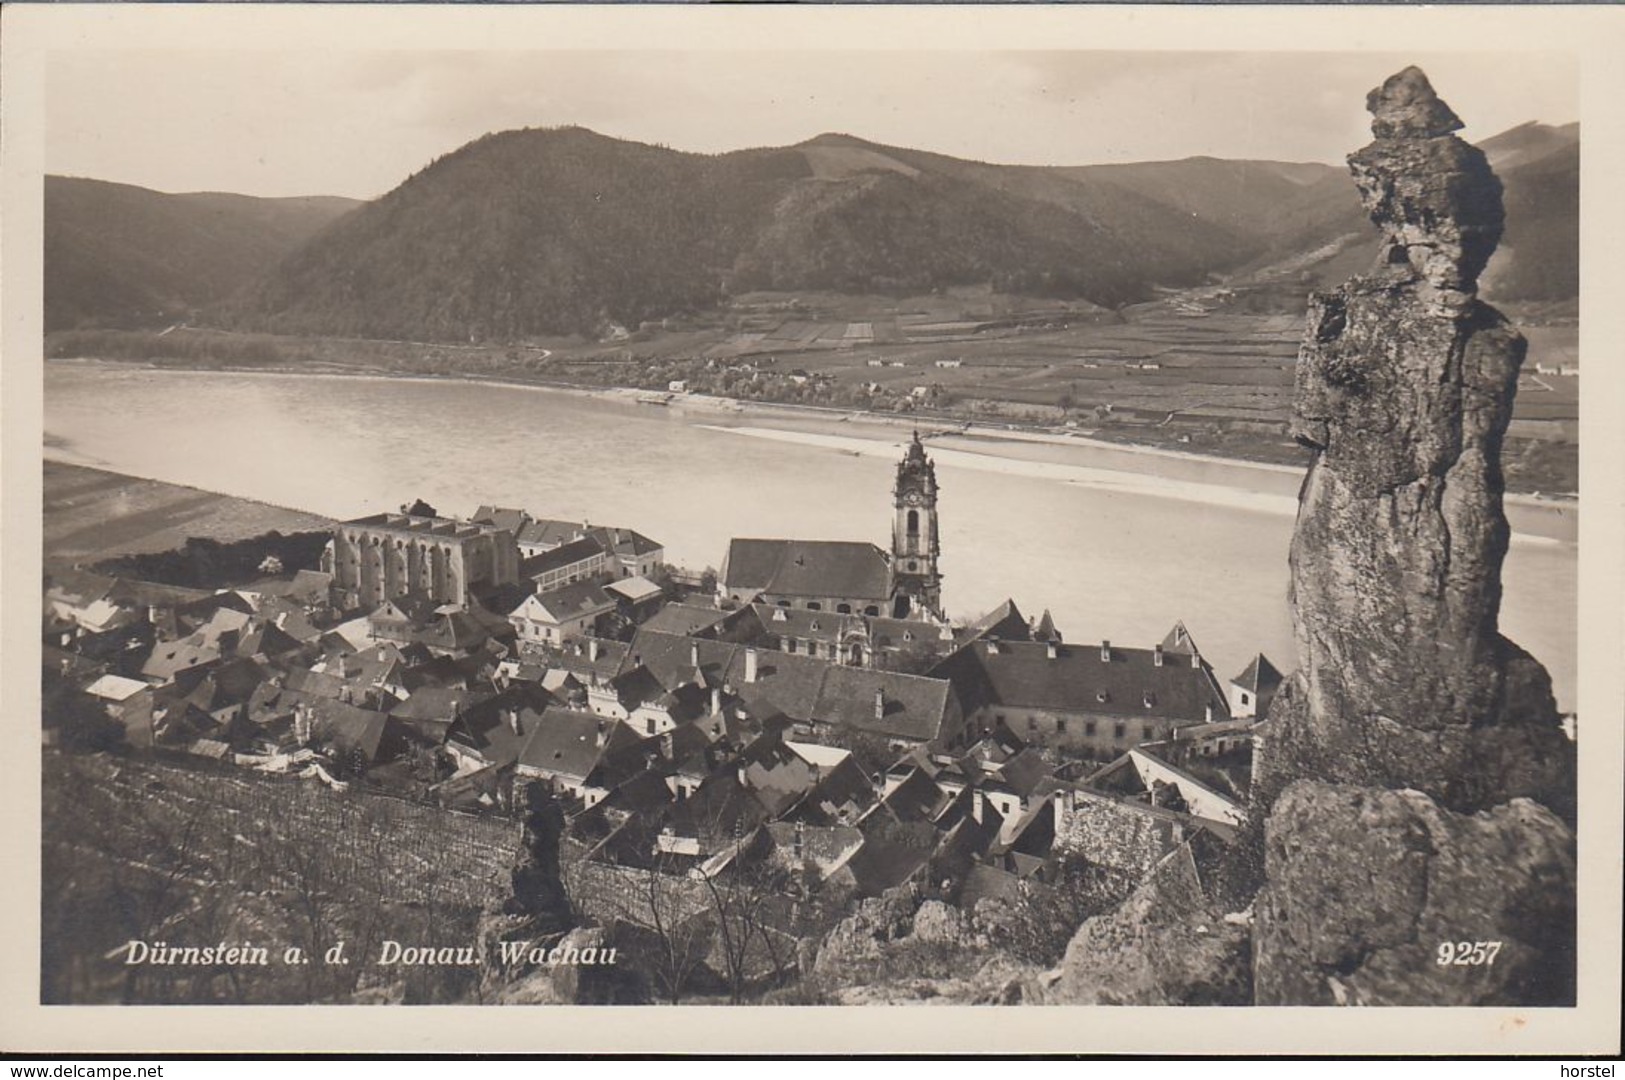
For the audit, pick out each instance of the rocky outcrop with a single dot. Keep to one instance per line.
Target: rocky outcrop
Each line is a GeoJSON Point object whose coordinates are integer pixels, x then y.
{"type": "Point", "coordinates": [1366, 888]}
{"type": "Point", "coordinates": [1404, 388]}
{"type": "Point", "coordinates": [1166, 945]}
{"type": "Point", "coordinates": [1418, 785]}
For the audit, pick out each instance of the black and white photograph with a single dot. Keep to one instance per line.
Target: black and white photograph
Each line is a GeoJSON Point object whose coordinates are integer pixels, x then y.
{"type": "Point", "coordinates": [710, 509]}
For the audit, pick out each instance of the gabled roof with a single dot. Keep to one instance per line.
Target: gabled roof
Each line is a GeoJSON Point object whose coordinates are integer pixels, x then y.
{"type": "Point", "coordinates": [909, 706]}
{"type": "Point", "coordinates": [576, 657]}
{"type": "Point", "coordinates": [115, 688]}
{"type": "Point", "coordinates": [552, 533]}
{"type": "Point", "coordinates": [1179, 640]}
{"type": "Point", "coordinates": [843, 793]}
{"type": "Point", "coordinates": [635, 590]}
{"type": "Point", "coordinates": [170, 658]}
{"type": "Point", "coordinates": [1025, 772]}
{"type": "Point", "coordinates": [685, 619]}
{"type": "Point", "coordinates": [501, 517]}
{"type": "Point", "coordinates": [1259, 676]}
{"type": "Point", "coordinates": [439, 703]}
{"type": "Point", "coordinates": [78, 587]}
{"type": "Point", "coordinates": [882, 864]}
{"type": "Point", "coordinates": [626, 542]}
{"type": "Point", "coordinates": [565, 743]}
{"type": "Point", "coordinates": [1075, 679]}
{"type": "Point", "coordinates": [455, 631]}
{"type": "Point", "coordinates": [1004, 622]}
{"type": "Point", "coordinates": [580, 600]}
{"type": "Point", "coordinates": [266, 639]}
{"type": "Point", "coordinates": [560, 557]}
{"type": "Point", "coordinates": [808, 568]}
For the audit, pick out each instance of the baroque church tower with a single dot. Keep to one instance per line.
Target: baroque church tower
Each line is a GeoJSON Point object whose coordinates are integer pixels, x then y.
{"type": "Point", "coordinates": [915, 543]}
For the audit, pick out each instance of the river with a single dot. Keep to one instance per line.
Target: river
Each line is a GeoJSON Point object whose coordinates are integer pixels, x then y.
{"type": "Point", "coordinates": [1115, 544]}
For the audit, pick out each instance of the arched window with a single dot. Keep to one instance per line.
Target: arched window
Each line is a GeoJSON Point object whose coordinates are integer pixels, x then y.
{"type": "Point", "coordinates": [914, 523]}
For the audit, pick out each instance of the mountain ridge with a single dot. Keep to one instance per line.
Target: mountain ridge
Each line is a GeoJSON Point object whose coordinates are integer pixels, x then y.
{"type": "Point", "coordinates": [537, 231]}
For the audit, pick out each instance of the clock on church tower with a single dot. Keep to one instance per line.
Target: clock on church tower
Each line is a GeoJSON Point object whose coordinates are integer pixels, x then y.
{"type": "Point", "coordinates": [916, 581]}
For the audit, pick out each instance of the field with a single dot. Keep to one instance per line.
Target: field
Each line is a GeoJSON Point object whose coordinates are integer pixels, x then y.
{"type": "Point", "coordinates": [90, 515]}
{"type": "Point", "coordinates": [145, 849]}
{"type": "Point", "coordinates": [1198, 369]}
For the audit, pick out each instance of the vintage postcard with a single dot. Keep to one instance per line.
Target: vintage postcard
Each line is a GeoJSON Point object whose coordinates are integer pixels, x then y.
{"type": "Point", "coordinates": [775, 516]}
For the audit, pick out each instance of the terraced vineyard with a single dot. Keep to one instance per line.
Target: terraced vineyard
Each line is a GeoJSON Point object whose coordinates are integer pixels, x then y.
{"type": "Point", "coordinates": [150, 850]}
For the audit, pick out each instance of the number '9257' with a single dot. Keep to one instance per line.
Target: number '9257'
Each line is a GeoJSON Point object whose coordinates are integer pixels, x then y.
{"type": "Point", "coordinates": [1467, 953]}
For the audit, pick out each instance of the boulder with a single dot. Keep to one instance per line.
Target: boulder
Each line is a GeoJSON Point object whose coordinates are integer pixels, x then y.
{"type": "Point", "coordinates": [1369, 890]}
{"type": "Point", "coordinates": [1166, 945]}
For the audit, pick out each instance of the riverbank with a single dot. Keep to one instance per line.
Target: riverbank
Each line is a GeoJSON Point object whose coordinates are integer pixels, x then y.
{"type": "Point", "coordinates": [92, 514]}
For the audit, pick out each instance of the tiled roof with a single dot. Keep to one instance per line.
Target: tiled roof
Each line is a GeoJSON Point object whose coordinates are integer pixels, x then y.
{"type": "Point", "coordinates": [1076, 679]}
{"type": "Point", "coordinates": [565, 742]}
{"type": "Point", "coordinates": [501, 517]}
{"type": "Point", "coordinates": [626, 542]}
{"type": "Point", "coordinates": [910, 706]}
{"type": "Point", "coordinates": [79, 587]}
{"type": "Point", "coordinates": [349, 727]}
{"type": "Point", "coordinates": [634, 589]}
{"type": "Point", "coordinates": [808, 568]}
{"type": "Point", "coordinates": [438, 703]}
{"type": "Point", "coordinates": [1004, 622]}
{"type": "Point", "coordinates": [1260, 676]}
{"type": "Point", "coordinates": [544, 531]}
{"type": "Point", "coordinates": [560, 557]}
{"type": "Point", "coordinates": [685, 619]}
{"type": "Point", "coordinates": [584, 598]}
{"type": "Point", "coordinates": [1179, 640]}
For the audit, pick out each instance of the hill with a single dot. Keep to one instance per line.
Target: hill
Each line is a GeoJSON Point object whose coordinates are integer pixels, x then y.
{"type": "Point", "coordinates": [1320, 235]}
{"type": "Point", "coordinates": [546, 231]}
{"type": "Point", "coordinates": [539, 232]}
{"type": "Point", "coordinates": [119, 255]}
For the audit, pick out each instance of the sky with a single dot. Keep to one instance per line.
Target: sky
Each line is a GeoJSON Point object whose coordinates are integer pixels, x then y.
{"type": "Point", "coordinates": [356, 123]}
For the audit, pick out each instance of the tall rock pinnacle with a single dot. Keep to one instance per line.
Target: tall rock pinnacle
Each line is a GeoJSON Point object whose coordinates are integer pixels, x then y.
{"type": "Point", "coordinates": [1413, 771]}
{"type": "Point", "coordinates": [1404, 388]}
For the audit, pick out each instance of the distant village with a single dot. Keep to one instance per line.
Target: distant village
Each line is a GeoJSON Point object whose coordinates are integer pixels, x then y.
{"type": "Point", "coordinates": [807, 706]}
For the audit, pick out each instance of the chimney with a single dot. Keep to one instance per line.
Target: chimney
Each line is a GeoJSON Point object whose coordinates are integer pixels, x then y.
{"type": "Point", "coordinates": [603, 734]}
{"type": "Point", "coordinates": [592, 649]}
{"type": "Point", "coordinates": [511, 716]}
{"type": "Point", "coordinates": [1207, 715]}
{"type": "Point", "coordinates": [880, 705]}
{"type": "Point", "coordinates": [1156, 656]}
{"type": "Point", "coordinates": [993, 646]}
{"type": "Point", "coordinates": [1050, 650]}
{"type": "Point", "coordinates": [977, 805]}
{"type": "Point", "coordinates": [694, 654]}
{"type": "Point", "coordinates": [716, 700]}
{"type": "Point", "coordinates": [1106, 652]}
{"type": "Point", "coordinates": [1196, 658]}
{"type": "Point", "coordinates": [750, 664]}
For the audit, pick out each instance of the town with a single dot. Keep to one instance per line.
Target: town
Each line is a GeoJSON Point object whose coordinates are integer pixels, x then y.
{"type": "Point", "coordinates": [808, 709]}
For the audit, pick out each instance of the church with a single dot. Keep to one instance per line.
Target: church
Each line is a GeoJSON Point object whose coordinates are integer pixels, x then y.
{"type": "Point", "coordinates": [849, 577]}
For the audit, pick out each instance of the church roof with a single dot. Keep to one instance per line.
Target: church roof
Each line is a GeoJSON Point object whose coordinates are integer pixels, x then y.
{"type": "Point", "coordinates": [858, 570]}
